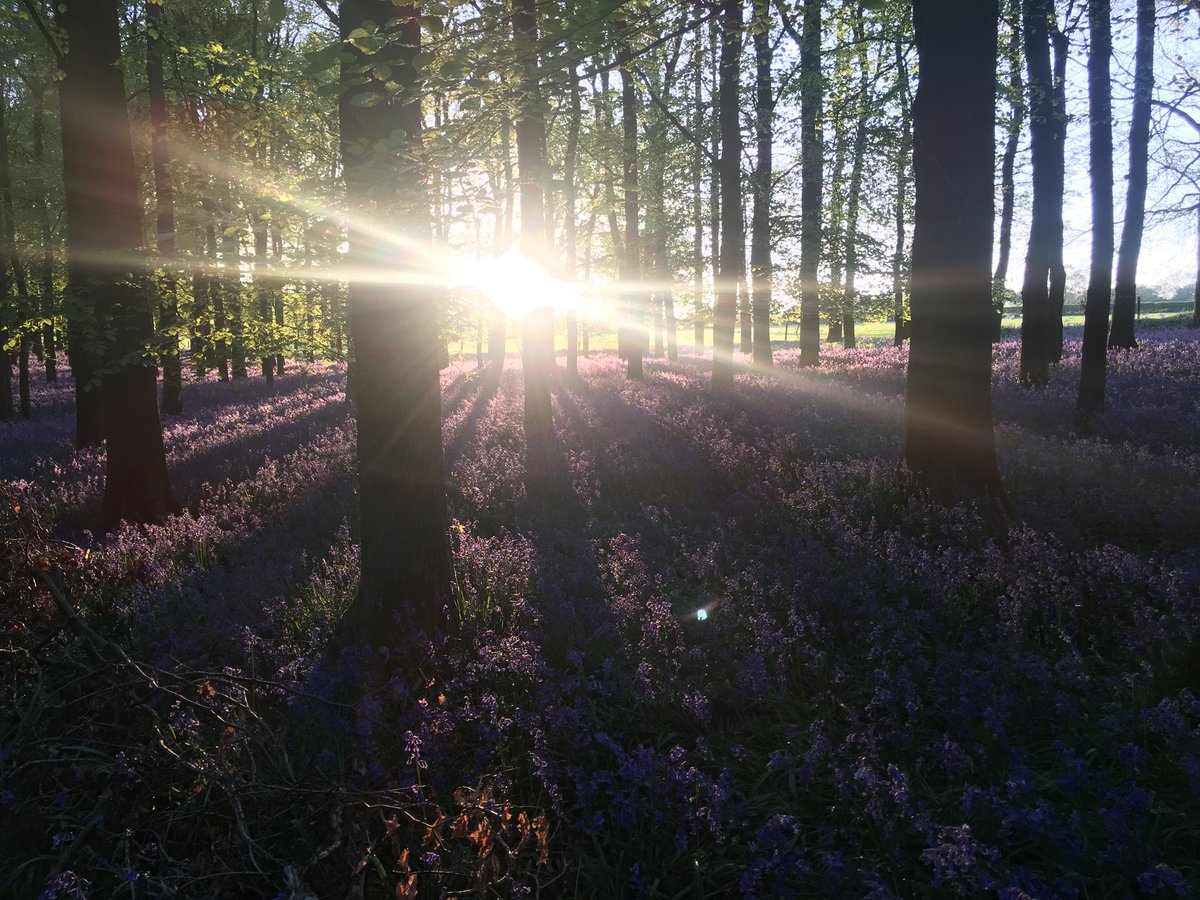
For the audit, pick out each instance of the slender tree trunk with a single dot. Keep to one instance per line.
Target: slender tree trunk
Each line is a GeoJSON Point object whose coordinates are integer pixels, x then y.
{"type": "Point", "coordinates": [48, 300]}
{"type": "Point", "coordinates": [262, 290]}
{"type": "Point", "coordinates": [760, 246]}
{"type": "Point", "coordinates": [834, 235]}
{"type": "Point", "coordinates": [857, 161]}
{"type": "Point", "coordinates": [103, 230]}
{"type": "Point", "coordinates": [569, 224]}
{"type": "Point", "coordinates": [406, 565]}
{"type": "Point", "coordinates": [1035, 291]}
{"type": "Point", "coordinates": [729, 165]}
{"type": "Point", "coordinates": [811, 166]}
{"type": "Point", "coordinates": [1125, 294]}
{"type": "Point", "coordinates": [12, 258]}
{"type": "Point", "coordinates": [905, 142]}
{"type": "Point", "coordinates": [633, 326]}
{"type": "Point", "coordinates": [278, 287]}
{"type": "Point", "coordinates": [1196, 292]}
{"type": "Point", "coordinates": [7, 318]}
{"type": "Point", "coordinates": [714, 174]}
{"type": "Point", "coordinates": [1099, 289]}
{"type": "Point", "coordinates": [949, 445]}
{"type": "Point", "coordinates": [698, 260]}
{"type": "Point", "coordinates": [1058, 171]}
{"type": "Point", "coordinates": [164, 204]}
{"type": "Point", "coordinates": [231, 285]}
{"type": "Point", "coordinates": [498, 329]}
{"type": "Point", "coordinates": [537, 345]}
{"type": "Point", "coordinates": [1014, 125]}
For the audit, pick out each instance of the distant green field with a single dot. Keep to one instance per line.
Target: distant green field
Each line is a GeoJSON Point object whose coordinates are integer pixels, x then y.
{"type": "Point", "coordinates": [605, 340]}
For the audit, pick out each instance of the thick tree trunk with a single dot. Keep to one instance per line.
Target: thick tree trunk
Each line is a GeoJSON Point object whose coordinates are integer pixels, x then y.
{"type": "Point", "coordinates": [905, 140]}
{"type": "Point", "coordinates": [833, 237]}
{"type": "Point", "coordinates": [1099, 289]}
{"type": "Point", "coordinates": [1035, 289]}
{"type": "Point", "coordinates": [277, 295]}
{"type": "Point", "coordinates": [406, 565]}
{"type": "Point", "coordinates": [1125, 294]}
{"type": "Point", "coordinates": [164, 205]}
{"type": "Point", "coordinates": [812, 91]}
{"type": "Point", "coordinates": [537, 345]}
{"type": "Point", "coordinates": [760, 245]}
{"type": "Point", "coordinates": [103, 231]}
{"type": "Point", "coordinates": [949, 445]}
{"type": "Point", "coordinates": [730, 168]}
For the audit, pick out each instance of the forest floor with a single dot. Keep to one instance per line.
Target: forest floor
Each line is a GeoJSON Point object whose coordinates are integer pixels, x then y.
{"type": "Point", "coordinates": [728, 656]}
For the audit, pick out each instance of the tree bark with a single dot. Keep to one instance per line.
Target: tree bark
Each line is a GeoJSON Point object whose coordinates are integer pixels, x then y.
{"type": "Point", "coordinates": [698, 260]}
{"type": "Point", "coordinates": [1125, 294]}
{"type": "Point", "coordinates": [1008, 193]}
{"type": "Point", "coordinates": [1058, 272]}
{"type": "Point", "coordinates": [570, 239]}
{"type": "Point", "coordinates": [406, 564]}
{"type": "Point", "coordinates": [857, 161]}
{"type": "Point", "coordinates": [1099, 290]}
{"type": "Point", "coordinates": [760, 245]}
{"type": "Point", "coordinates": [901, 199]}
{"type": "Point", "coordinates": [104, 234]}
{"type": "Point", "coordinates": [633, 338]}
{"type": "Point", "coordinates": [19, 312]}
{"type": "Point", "coordinates": [48, 299]}
{"type": "Point", "coordinates": [812, 90]}
{"type": "Point", "coordinates": [537, 345]}
{"type": "Point", "coordinates": [164, 204]}
{"type": "Point", "coordinates": [730, 168]}
{"type": "Point", "coordinates": [1035, 293]}
{"type": "Point", "coordinates": [949, 445]}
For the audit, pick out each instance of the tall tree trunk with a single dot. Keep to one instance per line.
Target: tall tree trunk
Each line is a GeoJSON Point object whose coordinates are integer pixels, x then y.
{"type": "Point", "coordinates": [570, 242]}
{"type": "Point", "coordinates": [406, 565]}
{"type": "Point", "coordinates": [834, 235]}
{"type": "Point", "coordinates": [857, 161]}
{"type": "Point", "coordinates": [498, 323]}
{"type": "Point", "coordinates": [20, 308]}
{"type": "Point", "coordinates": [262, 290]}
{"type": "Point", "coordinates": [760, 245]}
{"type": "Point", "coordinates": [1058, 271]}
{"type": "Point", "coordinates": [1013, 127]}
{"type": "Point", "coordinates": [46, 270]}
{"type": "Point", "coordinates": [104, 230]}
{"type": "Point", "coordinates": [902, 154]}
{"type": "Point", "coordinates": [537, 345]}
{"type": "Point", "coordinates": [949, 444]}
{"type": "Point", "coordinates": [633, 337]}
{"type": "Point", "coordinates": [1125, 294]}
{"type": "Point", "coordinates": [231, 285]}
{"type": "Point", "coordinates": [278, 287]}
{"type": "Point", "coordinates": [812, 90]}
{"type": "Point", "coordinates": [698, 260]}
{"type": "Point", "coordinates": [164, 205]}
{"type": "Point", "coordinates": [1035, 290]}
{"type": "Point", "coordinates": [1196, 292]}
{"type": "Point", "coordinates": [714, 173]}
{"type": "Point", "coordinates": [1099, 290]}
{"type": "Point", "coordinates": [730, 168]}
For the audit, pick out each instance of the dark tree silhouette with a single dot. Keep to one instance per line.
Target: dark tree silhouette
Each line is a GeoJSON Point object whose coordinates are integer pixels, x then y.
{"type": "Point", "coordinates": [1099, 289]}
{"type": "Point", "coordinates": [729, 166]}
{"type": "Point", "coordinates": [764, 132]}
{"type": "Point", "coordinates": [811, 166]}
{"type": "Point", "coordinates": [406, 569]}
{"type": "Point", "coordinates": [1125, 293]}
{"type": "Point", "coordinates": [110, 297]}
{"type": "Point", "coordinates": [949, 444]}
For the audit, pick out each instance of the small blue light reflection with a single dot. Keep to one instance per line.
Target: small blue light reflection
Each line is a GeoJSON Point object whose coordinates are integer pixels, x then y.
{"type": "Point", "coordinates": [701, 614]}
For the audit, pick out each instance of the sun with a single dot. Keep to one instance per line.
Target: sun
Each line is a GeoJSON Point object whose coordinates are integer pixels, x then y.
{"type": "Point", "coordinates": [518, 285]}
